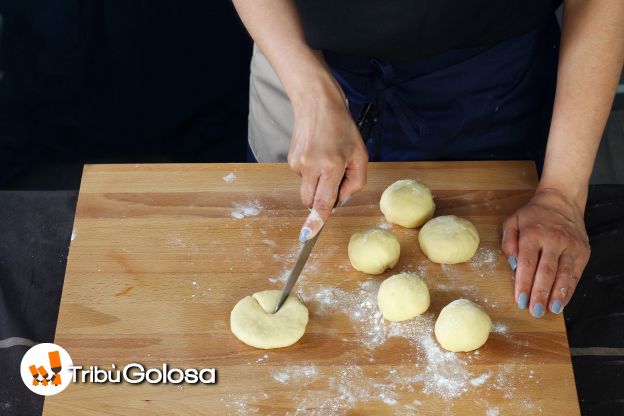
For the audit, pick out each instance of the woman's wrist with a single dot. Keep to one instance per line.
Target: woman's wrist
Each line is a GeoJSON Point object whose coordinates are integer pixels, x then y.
{"type": "Point", "coordinates": [317, 90]}
{"type": "Point", "coordinates": [574, 190]}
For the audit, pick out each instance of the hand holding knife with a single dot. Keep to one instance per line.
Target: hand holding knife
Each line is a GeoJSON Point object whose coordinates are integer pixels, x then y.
{"type": "Point", "coordinates": [365, 123]}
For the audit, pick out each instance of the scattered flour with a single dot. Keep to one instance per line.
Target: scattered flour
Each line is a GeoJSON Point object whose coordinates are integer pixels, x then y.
{"type": "Point", "coordinates": [478, 381]}
{"type": "Point", "coordinates": [384, 225]}
{"type": "Point", "coordinates": [484, 261]}
{"type": "Point", "coordinates": [500, 328]}
{"type": "Point", "coordinates": [247, 209]}
{"type": "Point", "coordinates": [427, 368]}
{"type": "Point", "coordinates": [492, 411]}
{"type": "Point", "coordinates": [446, 373]}
{"type": "Point", "coordinates": [302, 375]}
{"type": "Point", "coordinates": [230, 177]}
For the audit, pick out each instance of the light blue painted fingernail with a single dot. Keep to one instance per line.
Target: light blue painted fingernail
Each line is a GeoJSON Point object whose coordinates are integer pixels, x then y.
{"type": "Point", "coordinates": [513, 263]}
{"type": "Point", "coordinates": [556, 306]}
{"type": "Point", "coordinates": [304, 235]}
{"type": "Point", "coordinates": [522, 300]}
{"type": "Point", "coordinates": [538, 310]}
{"type": "Point", "coordinates": [345, 201]}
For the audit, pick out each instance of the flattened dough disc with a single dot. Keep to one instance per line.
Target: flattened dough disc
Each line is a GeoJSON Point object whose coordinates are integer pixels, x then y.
{"type": "Point", "coordinates": [252, 320]}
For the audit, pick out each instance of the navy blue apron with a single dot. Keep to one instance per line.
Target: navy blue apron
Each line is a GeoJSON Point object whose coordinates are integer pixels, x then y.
{"type": "Point", "coordinates": [482, 103]}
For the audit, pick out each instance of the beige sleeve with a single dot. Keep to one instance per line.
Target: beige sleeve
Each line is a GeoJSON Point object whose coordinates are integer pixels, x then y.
{"type": "Point", "coordinates": [270, 113]}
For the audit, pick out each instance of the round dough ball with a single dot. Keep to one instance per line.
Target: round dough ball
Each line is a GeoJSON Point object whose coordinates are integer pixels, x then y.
{"type": "Point", "coordinates": [402, 296]}
{"type": "Point", "coordinates": [408, 203]}
{"type": "Point", "coordinates": [374, 250]}
{"type": "Point", "coordinates": [462, 326]}
{"type": "Point", "coordinates": [252, 320]}
{"type": "Point", "coordinates": [449, 239]}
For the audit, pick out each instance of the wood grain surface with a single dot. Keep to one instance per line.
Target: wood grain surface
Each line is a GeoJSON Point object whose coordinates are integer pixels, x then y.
{"type": "Point", "coordinates": [158, 259]}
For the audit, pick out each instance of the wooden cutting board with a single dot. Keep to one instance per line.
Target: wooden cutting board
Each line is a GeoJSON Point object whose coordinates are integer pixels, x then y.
{"type": "Point", "coordinates": [161, 253]}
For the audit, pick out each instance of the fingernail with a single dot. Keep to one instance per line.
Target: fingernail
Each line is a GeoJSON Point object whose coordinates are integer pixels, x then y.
{"type": "Point", "coordinates": [556, 306]}
{"type": "Point", "coordinates": [522, 300]}
{"type": "Point", "coordinates": [538, 310]}
{"type": "Point", "coordinates": [513, 263]}
{"type": "Point", "coordinates": [345, 201]}
{"type": "Point", "coordinates": [304, 235]}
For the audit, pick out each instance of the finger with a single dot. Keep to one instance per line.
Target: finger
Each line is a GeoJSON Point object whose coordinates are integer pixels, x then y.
{"type": "Point", "coordinates": [543, 283]}
{"type": "Point", "coordinates": [561, 288]}
{"type": "Point", "coordinates": [579, 263]}
{"type": "Point", "coordinates": [324, 199]}
{"type": "Point", "coordinates": [309, 181]}
{"type": "Point", "coordinates": [528, 255]}
{"type": "Point", "coordinates": [510, 241]}
{"type": "Point", "coordinates": [354, 178]}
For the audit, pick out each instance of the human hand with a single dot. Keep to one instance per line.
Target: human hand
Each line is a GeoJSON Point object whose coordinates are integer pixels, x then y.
{"type": "Point", "coordinates": [325, 147]}
{"type": "Point", "coordinates": [547, 236]}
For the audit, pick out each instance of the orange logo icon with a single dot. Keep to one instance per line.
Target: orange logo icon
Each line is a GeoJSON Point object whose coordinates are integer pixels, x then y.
{"type": "Point", "coordinates": [45, 369]}
{"type": "Point", "coordinates": [55, 366]}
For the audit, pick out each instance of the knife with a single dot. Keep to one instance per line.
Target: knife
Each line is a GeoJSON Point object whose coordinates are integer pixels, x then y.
{"type": "Point", "coordinates": [365, 123]}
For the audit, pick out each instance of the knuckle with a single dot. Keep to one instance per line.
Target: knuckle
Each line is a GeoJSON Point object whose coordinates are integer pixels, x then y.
{"type": "Point", "coordinates": [361, 155]}
{"type": "Point", "coordinates": [565, 270]}
{"type": "Point", "coordinates": [533, 232]}
{"type": "Point", "coordinates": [359, 182]}
{"type": "Point", "coordinates": [556, 236]}
{"type": "Point", "coordinates": [294, 163]}
{"type": "Point", "coordinates": [323, 203]}
{"type": "Point", "coordinates": [526, 263]}
{"type": "Point", "coordinates": [329, 169]}
{"type": "Point", "coordinates": [547, 271]}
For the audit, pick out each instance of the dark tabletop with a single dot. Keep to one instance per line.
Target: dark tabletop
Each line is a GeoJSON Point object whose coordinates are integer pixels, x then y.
{"type": "Point", "coordinates": [35, 231]}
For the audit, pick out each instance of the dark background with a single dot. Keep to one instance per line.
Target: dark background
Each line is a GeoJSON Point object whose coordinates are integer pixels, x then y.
{"type": "Point", "coordinates": [118, 81]}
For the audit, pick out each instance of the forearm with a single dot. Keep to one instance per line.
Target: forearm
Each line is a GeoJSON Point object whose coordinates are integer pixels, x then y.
{"type": "Point", "coordinates": [275, 27]}
{"type": "Point", "coordinates": [590, 63]}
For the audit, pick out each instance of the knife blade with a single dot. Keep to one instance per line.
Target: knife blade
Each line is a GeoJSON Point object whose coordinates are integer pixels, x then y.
{"type": "Point", "coordinates": [365, 122]}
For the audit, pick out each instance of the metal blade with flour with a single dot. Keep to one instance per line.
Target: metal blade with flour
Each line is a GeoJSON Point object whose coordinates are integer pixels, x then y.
{"type": "Point", "coordinates": [366, 120]}
{"type": "Point", "coordinates": [306, 249]}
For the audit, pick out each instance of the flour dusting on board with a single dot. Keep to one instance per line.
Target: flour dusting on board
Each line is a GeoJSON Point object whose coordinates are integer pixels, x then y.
{"type": "Point", "coordinates": [246, 209]}
{"type": "Point", "coordinates": [384, 225]}
{"type": "Point", "coordinates": [492, 411]}
{"type": "Point", "coordinates": [302, 375]}
{"type": "Point", "coordinates": [230, 177]}
{"type": "Point", "coordinates": [427, 368]}
{"type": "Point", "coordinates": [445, 375]}
{"type": "Point", "coordinates": [500, 328]}
{"type": "Point", "coordinates": [484, 261]}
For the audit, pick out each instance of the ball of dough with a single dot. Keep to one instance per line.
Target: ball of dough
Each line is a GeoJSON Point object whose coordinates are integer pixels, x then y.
{"type": "Point", "coordinates": [252, 320]}
{"type": "Point", "coordinates": [462, 326]}
{"type": "Point", "coordinates": [449, 239]}
{"type": "Point", "coordinates": [407, 203]}
{"type": "Point", "coordinates": [402, 296]}
{"type": "Point", "coordinates": [374, 250]}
